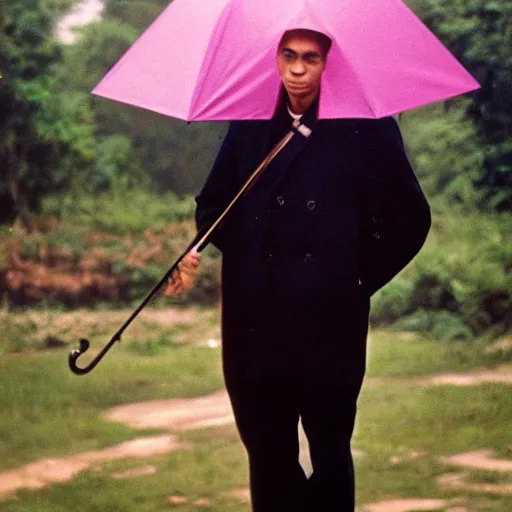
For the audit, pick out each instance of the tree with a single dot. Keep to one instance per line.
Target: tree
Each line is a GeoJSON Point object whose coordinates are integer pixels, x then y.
{"type": "Point", "coordinates": [138, 14]}
{"type": "Point", "coordinates": [479, 34]}
{"type": "Point", "coordinates": [45, 136]}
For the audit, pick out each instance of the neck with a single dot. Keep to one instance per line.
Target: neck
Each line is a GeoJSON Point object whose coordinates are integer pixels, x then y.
{"type": "Point", "coordinates": [299, 104]}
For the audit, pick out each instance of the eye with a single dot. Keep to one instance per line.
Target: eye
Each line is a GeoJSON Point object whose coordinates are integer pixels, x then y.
{"type": "Point", "coordinates": [312, 58]}
{"type": "Point", "coordinates": [288, 55]}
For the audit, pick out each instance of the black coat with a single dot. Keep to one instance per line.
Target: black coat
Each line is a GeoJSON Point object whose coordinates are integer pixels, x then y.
{"type": "Point", "coordinates": [331, 220]}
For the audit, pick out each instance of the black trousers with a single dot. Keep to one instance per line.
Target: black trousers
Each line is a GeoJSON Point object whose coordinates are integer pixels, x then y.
{"type": "Point", "coordinates": [292, 371]}
{"type": "Point", "coordinates": [267, 415]}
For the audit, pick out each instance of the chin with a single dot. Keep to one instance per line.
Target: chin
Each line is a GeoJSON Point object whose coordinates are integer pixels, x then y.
{"type": "Point", "coordinates": [299, 94]}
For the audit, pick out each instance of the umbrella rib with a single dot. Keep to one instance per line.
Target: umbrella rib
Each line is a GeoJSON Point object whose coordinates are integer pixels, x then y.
{"type": "Point", "coordinates": [361, 85]}
{"type": "Point", "coordinates": [209, 58]}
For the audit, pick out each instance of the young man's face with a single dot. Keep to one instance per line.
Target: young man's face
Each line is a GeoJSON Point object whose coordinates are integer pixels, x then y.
{"type": "Point", "coordinates": [301, 61]}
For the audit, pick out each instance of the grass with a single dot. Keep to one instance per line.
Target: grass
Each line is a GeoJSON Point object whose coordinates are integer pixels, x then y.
{"type": "Point", "coordinates": [31, 330]}
{"type": "Point", "coordinates": [46, 410]}
{"type": "Point", "coordinates": [403, 429]}
{"type": "Point", "coordinates": [210, 471]}
{"type": "Point", "coordinates": [398, 354]}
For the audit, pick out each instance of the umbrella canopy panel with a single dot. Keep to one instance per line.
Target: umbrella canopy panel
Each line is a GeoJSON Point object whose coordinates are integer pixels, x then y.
{"type": "Point", "coordinates": [205, 60]}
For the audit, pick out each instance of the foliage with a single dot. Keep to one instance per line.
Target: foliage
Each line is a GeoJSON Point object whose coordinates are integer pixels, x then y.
{"type": "Point", "coordinates": [57, 133]}
{"type": "Point", "coordinates": [464, 272]}
{"type": "Point", "coordinates": [45, 135]}
{"type": "Point", "coordinates": [479, 33]}
{"type": "Point", "coordinates": [122, 211]}
{"type": "Point", "coordinates": [57, 8]}
{"type": "Point", "coordinates": [116, 166]}
{"type": "Point", "coordinates": [144, 235]}
{"type": "Point", "coordinates": [96, 50]}
{"type": "Point", "coordinates": [440, 324]}
{"type": "Point", "coordinates": [447, 156]}
{"type": "Point", "coordinates": [137, 14]}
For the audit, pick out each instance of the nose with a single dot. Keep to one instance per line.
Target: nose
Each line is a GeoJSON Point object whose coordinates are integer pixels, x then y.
{"type": "Point", "coordinates": [298, 68]}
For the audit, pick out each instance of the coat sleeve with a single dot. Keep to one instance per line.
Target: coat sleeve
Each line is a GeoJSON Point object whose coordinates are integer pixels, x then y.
{"type": "Point", "coordinates": [219, 188]}
{"type": "Point", "coordinates": [396, 218]}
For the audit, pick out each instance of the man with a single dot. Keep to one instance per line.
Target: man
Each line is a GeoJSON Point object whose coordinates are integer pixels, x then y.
{"type": "Point", "coordinates": [332, 219]}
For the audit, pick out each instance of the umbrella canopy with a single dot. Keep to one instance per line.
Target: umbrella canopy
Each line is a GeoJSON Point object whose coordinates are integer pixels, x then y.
{"type": "Point", "coordinates": [206, 60]}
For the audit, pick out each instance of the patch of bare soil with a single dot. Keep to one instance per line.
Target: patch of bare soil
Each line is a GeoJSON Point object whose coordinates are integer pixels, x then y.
{"type": "Point", "coordinates": [133, 473]}
{"type": "Point", "coordinates": [481, 459]}
{"type": "Point", "coordinates": [188, 414]}
{"type": "Point", "coordinates": [406, 505]}
{"type": "Point", "coordinates": [176, 414]}
{"type": "Point", "coordinates": [458, 482]}
{"type": "Point", "coordinates": [183, 500]}
{"type": "Point", "coordinates": [37, 475]}
{"type": "Point", "coordinates": [242, 494]}
{"type": "Point", "coordinates": [500, 375]}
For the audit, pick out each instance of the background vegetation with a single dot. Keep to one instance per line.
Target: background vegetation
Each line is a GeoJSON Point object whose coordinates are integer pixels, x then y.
{"type": "Point", "coordinates": [73, 167]}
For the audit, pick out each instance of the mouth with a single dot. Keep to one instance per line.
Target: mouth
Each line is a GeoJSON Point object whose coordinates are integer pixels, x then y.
{"type": "Point", "coordinates": [297, 85]}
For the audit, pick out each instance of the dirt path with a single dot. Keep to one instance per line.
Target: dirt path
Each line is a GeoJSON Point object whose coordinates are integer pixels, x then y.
{"type": "Point", "coordinates": [405, 505]}
{"type": "Point", "coordinates": [176, 414]}
{"type": "Point", "coordinates": [459, 482]}
{"type": "Point", "coordinates": [213, 410]}
{"type": "Point", "coordinates": [45, 472]}
{"type": "Point", "coordinates": [500, 375]}
{"type": "Point", "coordinates": [481, 459]}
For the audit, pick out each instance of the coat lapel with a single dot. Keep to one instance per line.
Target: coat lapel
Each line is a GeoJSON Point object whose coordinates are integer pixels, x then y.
{"type": "Point", "coordinates": [278, 168]}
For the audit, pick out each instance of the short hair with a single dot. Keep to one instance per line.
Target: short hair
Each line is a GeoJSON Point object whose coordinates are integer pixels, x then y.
{"type": "Point", "coordinates": [324, 41]}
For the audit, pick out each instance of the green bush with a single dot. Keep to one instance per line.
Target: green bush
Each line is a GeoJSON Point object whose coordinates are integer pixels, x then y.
{"type": "Point", "coordinates": [442, 325]}
{"type": "Point", "coordinates": [137, 282]}
{"type": "Point", "coordinates": [392, 302]}
{"type": "Point", "coordinates": [122, 211]}
{"type": "Point", "coordinates": [464, 271]}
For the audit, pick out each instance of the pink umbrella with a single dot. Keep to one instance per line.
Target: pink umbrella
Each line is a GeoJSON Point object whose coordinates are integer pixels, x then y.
{"type": "Point", "coordinates": [205, 60]}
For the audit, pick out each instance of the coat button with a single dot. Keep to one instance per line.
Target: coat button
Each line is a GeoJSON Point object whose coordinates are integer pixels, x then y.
{"type": "Point", "coordinates": [280, 200]}
{"type": "Point", "coordinates": [311, 205]}
{"type": "Point", "coordinates": [308, 257]}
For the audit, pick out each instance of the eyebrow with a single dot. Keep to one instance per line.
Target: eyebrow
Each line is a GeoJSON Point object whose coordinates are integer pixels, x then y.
{"type": "Point", "coordinates": [304, 55]}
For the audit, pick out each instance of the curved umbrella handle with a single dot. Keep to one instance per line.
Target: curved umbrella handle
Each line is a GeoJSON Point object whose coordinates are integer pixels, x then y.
{"type": "Point", "coordinates": [84, 344]}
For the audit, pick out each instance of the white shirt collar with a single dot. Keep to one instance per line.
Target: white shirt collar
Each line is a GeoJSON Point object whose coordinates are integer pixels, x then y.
{"type": "Point", "coordinates": [296, 117]}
